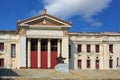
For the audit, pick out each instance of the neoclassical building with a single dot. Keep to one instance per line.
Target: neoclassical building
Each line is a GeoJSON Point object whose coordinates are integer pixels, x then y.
{"type": "Point", "coordinates": [37, 42]}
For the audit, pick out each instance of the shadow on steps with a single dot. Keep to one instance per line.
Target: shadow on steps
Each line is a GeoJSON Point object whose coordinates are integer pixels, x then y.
{"type": "Point", "coordinates": [7, 72]}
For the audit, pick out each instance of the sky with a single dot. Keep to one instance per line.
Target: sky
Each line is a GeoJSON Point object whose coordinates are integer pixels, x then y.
{"type": "Point", "coordinates": [85, 15]}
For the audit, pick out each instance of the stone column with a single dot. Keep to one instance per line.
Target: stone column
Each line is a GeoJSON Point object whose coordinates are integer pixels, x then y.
{"type": "Point", "coordinates": [59, 47]}
{"type": "Point", "coordinates": [39, 53]}
{"type": "Point", "coordinates": [29, 52]}
{"type": "Point", "coordinates": [49, 53]}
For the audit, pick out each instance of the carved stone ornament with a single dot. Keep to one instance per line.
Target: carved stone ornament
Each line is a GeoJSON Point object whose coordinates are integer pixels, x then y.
{"type": "Point", "coordinates": [22, 31]}
{"type": "Point", "coordinates": [65, 32]}
{"type": "Point", "coordinates": [44, 21]}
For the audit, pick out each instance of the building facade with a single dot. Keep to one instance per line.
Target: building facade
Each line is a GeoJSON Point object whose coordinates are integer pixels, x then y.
{"type": "Point", "coordinates": [38, 41]}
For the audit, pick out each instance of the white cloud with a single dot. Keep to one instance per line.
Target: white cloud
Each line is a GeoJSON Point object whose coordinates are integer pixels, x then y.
{"type": "Point", "coordinates": [69, 8]}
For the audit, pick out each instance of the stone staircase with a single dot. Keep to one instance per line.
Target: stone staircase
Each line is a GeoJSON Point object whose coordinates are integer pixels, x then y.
{"type": "Point", "coordinates": [50, 74]}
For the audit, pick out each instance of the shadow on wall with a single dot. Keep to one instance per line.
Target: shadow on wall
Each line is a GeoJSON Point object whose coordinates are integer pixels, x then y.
{"type": "Point", "coordinates": [7, 73]}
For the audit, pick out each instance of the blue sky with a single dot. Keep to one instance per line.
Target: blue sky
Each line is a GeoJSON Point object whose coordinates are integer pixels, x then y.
{"type": "Point", "coordinates": [86, 15]}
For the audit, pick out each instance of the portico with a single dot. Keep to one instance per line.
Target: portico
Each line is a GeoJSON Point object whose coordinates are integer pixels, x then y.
{"type": "Point", "coordinates": [46, 37]}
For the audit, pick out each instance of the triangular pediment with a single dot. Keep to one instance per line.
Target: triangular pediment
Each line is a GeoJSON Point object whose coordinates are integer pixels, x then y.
{"type": "Point", "coordinates": [44, 19]}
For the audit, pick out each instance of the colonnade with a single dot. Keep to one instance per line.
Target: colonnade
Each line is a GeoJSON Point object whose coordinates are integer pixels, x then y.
{"type": "Point", "coordinates": [39, 41]}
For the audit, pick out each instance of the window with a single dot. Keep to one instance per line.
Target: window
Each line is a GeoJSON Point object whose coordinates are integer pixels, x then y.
{"type": "Point", "coordinates": [88, 63]}
{"type": "Point", "coordinates": [117, 61]}
{"type": "Point", "coordinates": [69, 51]}
{"type": "Point", "coordinates": [79, 48]}
{"type": "Point", "coordinates": [44, 45]}
{"type": "Point", "coordinates": [34, 45]}
{"type": "Point", "coordinates": [111, 48]}
{"type": "Point", "coordinates": [79, 64]}
{"type": "Point", "coordinates": [97, 64]}
{"type": "Point", "coordinates": [88, 48]}
{"type": "Point", "coordinates": [13, 50]}
{"type": "Point", "coordinates": [1, 62]}
{"type": "Point", "coordinates": [54, 45]}
{"type": "Point", "coordinates": [110, 63]}
{"type": "Point", "coordinates": [97, 48]}
{"type": "Point", "coordinates": [1, 46]}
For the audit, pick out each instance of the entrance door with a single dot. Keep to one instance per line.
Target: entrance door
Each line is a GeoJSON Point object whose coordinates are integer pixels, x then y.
{"type": "Point", "coordinates": [44, 60]}
{"type": "Point", "coordinates": [1, 62]}
{"type": "Point", "coordinates": [53, 59]}
{"type": "Point", "coordinates": [34, 60]}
